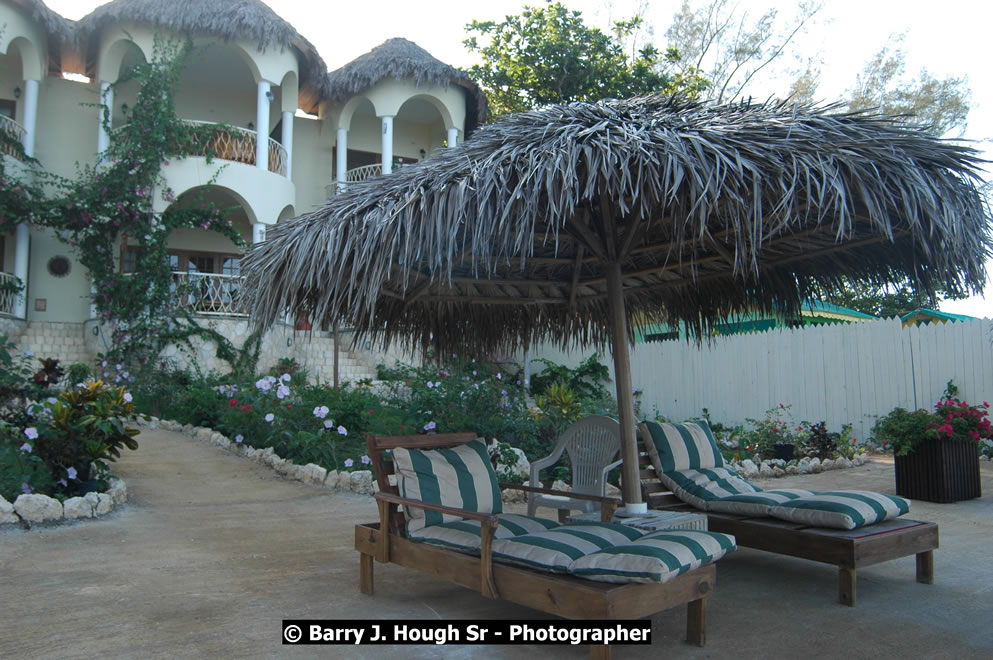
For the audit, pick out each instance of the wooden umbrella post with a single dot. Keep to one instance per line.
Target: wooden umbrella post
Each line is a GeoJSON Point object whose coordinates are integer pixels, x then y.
{"type": "Point", "coordinates": [625, 396]}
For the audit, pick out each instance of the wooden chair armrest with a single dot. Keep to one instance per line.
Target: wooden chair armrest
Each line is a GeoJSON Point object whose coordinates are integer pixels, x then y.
{"type": "Point", "coordinates": [417, 504]}
{"type": "Point", "coordinates": [487, 529]}
{"type": "Point", "coordinates": [552, 491]}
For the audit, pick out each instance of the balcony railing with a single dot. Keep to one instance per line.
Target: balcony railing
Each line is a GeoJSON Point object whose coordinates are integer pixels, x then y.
{"type": "Point", "coordinates": [13, 132]}
{"type": "Point", "coordinates": [208, 293]}
{"type": "Point", "coordinates": [355, 174]}
{"type": "Point", "coordinates": [238, 145]}
{"type": "Point", "coordinates": [235, 144]}
{"type": "Point", "coordinates": [8, 296]}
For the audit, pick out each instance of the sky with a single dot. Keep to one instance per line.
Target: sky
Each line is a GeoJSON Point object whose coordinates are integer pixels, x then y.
{"type": "Point", "coordinates": [948, 38]}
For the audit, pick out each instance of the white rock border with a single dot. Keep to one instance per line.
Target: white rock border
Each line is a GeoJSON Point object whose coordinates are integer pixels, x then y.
{"type": "Point", "coordinates": [359, 481]}
{"type": "Point", "coordinates": [36, 508]}
{"type": "Point", "coordinates": [774, 468]}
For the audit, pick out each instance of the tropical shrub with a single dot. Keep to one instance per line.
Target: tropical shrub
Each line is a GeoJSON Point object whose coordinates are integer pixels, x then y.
{"type": "Point", "coordinates": [63, 446]}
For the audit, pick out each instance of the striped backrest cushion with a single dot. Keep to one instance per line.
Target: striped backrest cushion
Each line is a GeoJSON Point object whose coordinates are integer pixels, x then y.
{"type": "Point", "coordinates": [464, 535]}
{"type": "Point", "coordinates": [699, 487]}
{"type": "Point", "coordinates": [654, 558]}
{"type": "Point", "coordinates": [461, 477]}
{"type": "Point", "coordinates": [841, 509]}
{"type": "Point", "coordinates": [557, 548]}
{"type": "Point", "coordinates": [681, 446]}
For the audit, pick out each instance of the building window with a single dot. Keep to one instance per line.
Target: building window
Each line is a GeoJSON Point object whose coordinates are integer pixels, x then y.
{"type": "Point", "coordinates": [187, 261]}
{"type": "Point", "coordinates": [8, 109]}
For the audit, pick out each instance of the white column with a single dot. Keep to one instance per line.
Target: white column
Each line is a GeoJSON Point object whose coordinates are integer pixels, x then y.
{"type": "Point", "coordinates": [288, 142]}
{"type": "Point", "coordinates": [258, 232]}
{"type": "Point", "coordinates": [341, 158]}
{"type": "Point", "coordinates": [453, 137]}
{"type": "Point", "coordinates": [21, 245]}
{"type": "Point", "coordinates": [107, 99]}
{"type": "Point", "coordinates": [22, 234]}
{"type": "Point", "coordinates": [262, 126]}
{"type": "Point", "coordinates": [30, 115]}
{"type": "Point", "coordinates": [387, 144]}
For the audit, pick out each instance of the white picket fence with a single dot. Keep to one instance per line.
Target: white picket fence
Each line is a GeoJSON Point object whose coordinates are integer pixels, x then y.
{"type": "Point", "coordinates": [839, 373]}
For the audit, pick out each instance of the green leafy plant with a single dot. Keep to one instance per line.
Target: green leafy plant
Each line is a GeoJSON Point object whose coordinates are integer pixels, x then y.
{"type": "Point", "coordinates": [775, 428]}
{"type": "Point", "coordinates": [78, 372]}
{"type": "Point", "coordinates": [819, 442]}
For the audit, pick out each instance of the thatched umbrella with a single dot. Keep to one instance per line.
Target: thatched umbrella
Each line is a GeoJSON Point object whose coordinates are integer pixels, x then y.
{"type": "Point", "coordinates": [400, 59]}
{"type": "Point", "coordinates": [567, 223]}
{"type": "Point", "coordinates": [250, 20]}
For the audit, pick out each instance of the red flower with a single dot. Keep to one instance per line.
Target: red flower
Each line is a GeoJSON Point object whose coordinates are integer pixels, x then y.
{"type": "Point", "coordinates": [370, 411]}
{"type": "Point", "coordinates": [246, 408]}
{"type": "Point", "coordinates": [289, 406]}
{"type": "Point", "coordinates": [232, 403]}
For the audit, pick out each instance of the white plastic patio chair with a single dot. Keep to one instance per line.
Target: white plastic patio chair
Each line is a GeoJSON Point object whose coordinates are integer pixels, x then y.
{"type": "Point", "coordinates": [592, 444]}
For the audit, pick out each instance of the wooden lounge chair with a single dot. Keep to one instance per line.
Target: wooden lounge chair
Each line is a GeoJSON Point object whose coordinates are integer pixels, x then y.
{"type": "Point", "coordinates": [562, 595]}
{"type": "Point", "coordinates": [849, 550]}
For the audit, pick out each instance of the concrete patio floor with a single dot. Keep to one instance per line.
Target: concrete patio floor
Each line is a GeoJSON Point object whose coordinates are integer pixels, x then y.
{"type": "Point", "coordinates": [212, 551]}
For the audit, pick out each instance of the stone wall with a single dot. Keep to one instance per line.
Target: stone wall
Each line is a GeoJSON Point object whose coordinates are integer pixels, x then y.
{"type": "Point", "coordinates": [82, 342]}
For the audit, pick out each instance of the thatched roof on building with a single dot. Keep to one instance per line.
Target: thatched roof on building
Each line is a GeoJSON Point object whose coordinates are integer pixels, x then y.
{"type": "Point", "coordinates": [249, 20]}
{"type": "Point", "coordinates": [710, 211]}
{"type": "Point", "coordinates": [56, 27]}
{"type": "Point", "coordinates": [401, 59]}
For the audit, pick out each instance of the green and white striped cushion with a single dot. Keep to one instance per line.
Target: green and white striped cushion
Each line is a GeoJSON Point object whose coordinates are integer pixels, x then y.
{"type": "Point", "coordinates": [757, 503]}
{"type": "Point", "coordinates": [556, 549]}
{"type": "Point", "coordinates": [681, 446]}
{"type": "Point", "coordinates": [654, 558]}
{"type": "Point", "coordinates": [464, 534]}
{"type": "Point", "coordinates": [699, 487]}
{"type": "Point", "coordinates": [461, 477]}
{"type": "Point", "coordinates": [842, 509]}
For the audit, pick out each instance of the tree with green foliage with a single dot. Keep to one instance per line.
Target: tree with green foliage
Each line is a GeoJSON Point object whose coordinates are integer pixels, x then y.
{"type": "Point", "coordinates": [548, 54]}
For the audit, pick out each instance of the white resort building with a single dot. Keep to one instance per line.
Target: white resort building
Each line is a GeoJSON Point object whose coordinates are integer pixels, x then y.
{"type": "Point", "coordinates": [302, 132]}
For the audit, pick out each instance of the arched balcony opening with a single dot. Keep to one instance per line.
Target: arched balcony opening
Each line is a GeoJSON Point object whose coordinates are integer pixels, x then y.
{"type": "Point", "coordinates": [206, 265]}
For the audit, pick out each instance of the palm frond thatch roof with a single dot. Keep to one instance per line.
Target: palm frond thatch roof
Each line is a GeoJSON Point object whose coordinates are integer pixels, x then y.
{"type": "Point", "coordinates": [507, 240]}
{"type": "Point", "coordinates": [250, 20]}
{"type": "Point", "coordinates": [56, 27]}
{"type": "Point", "coordinates": [401, 59]}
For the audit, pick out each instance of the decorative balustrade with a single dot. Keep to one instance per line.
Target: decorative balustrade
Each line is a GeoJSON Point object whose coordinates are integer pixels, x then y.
{"type": "Point", "coordinates": [13, 133]}
{"type": "Point", "coordinates": [208, 293]}
{"type": "Point", "coordinates": [9, 286]}
{"type": "Point", "coordinates": [353, 175]}
{"type": "Point", "coordinates": [233, 143]}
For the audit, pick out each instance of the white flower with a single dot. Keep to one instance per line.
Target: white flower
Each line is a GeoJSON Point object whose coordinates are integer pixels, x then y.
{"type": "Point", "coordinates": [282, 391]}
{"type": "Point", "coordinates": [285, 378]}
{"type": "Point", "coordinates": [128, 397]}
{"type": "Point", "coordinates": [342, 431]}
{"type": "Point", "coordinates": [270, 417]}
{"type": "Point", "coordinates": [328, 423]}
{"type": "Point", "coordinates": [32, 433]}
{"type": "Point", "coordinates": [321, 412]}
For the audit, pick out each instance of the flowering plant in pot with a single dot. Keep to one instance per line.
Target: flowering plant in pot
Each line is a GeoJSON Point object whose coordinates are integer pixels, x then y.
{"type": "Point", "coordinates": [937, 453]}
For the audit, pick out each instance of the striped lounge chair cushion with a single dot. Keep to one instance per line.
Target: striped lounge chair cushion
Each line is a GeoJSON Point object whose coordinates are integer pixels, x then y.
{"type": "Point", "coordinates": [698, 487]}
{"type": "Point", "coordinates": [461, 477]}
{"type": "Point", "coordinates": [463, 535]}
{"type": "Point", "coordinates": [841, 509]}
{"type": "Point", "coordinates": [757, 503]}
{"type": "Point", "coordinates": [556, 549]}
{"type": "Point", "coordinates": [681, 446]}
{"type": "Point", "coordinates": [654, 558]}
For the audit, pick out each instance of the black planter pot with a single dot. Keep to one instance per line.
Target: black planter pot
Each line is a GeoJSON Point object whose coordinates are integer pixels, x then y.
{"type": "Point", "coordinates": [941, 471]}
{"type": "Point", "coordinates": [783, 451]}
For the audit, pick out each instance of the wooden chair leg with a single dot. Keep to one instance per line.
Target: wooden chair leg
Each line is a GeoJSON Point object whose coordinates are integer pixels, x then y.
{"type": "Point", "coordinates": [925, 567]}
{"type": "Point", "coordinates": [599, 652]}
{"type": "Point", "coordinates": [696, 622]}
{"type": "Point", "coordinates": [846, 586]}
{"type": "Point", "coordinates": [366, 574]}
